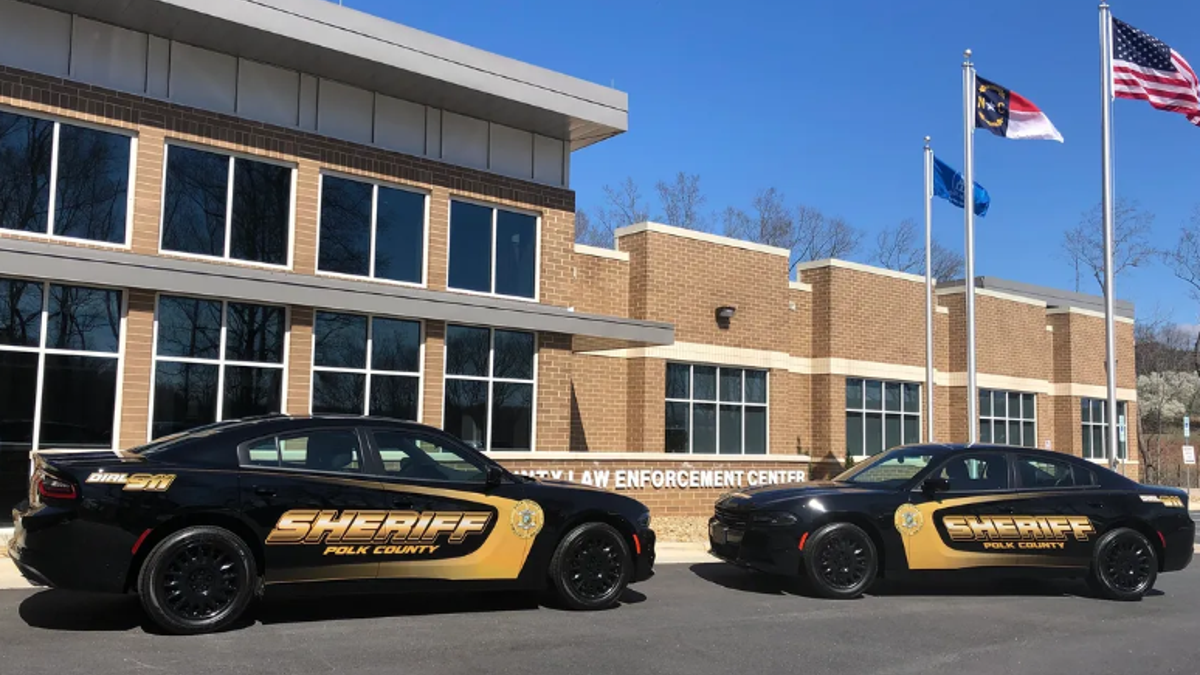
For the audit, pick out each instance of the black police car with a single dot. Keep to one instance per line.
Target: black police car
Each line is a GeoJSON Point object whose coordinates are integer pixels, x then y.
{"type": "Point", "coordinates": [954, 507]}
{"type": "Point", "coordinates": [196, 524]}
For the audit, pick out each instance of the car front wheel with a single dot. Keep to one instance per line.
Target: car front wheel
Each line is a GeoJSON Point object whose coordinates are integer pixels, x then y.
{"type": "Point", "coordinates": [840, 561]}
{"type": "Point", "coordinates": [590, 567]}
{"type": "Point", "coordinates": [1124, 565]}
{"type": "Point", "coordinates": [197, 580]}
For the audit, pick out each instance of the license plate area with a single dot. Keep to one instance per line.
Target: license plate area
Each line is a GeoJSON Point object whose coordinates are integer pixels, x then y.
{"type": "Point", "coordinates": [724, 536]}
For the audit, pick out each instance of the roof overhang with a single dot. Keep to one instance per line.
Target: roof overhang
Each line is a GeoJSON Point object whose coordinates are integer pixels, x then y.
{"type": "Point", "coordinates": [1053, 297]}
{"type": "Point", "coordinates": [122, 269]}
{"type": "Point", "coordinates": [327, 40]}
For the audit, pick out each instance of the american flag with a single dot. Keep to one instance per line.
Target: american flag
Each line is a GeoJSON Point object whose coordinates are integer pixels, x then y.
{"type": "Point", "coordinates": [1146, 69]}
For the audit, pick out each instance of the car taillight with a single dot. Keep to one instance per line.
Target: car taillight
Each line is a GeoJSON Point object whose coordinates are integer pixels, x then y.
{"type": "Point", "coordinates": [52, 487]}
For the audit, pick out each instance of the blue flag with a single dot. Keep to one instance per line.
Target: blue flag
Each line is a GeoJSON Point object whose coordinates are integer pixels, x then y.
{"type": "Point", "coordinates": [948, 184]}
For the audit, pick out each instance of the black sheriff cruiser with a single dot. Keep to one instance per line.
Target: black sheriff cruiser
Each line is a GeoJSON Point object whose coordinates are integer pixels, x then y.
{"type": "Point", "coordinates": [197, 524]}
{"type": "Point", "coordinates": [952, 507]}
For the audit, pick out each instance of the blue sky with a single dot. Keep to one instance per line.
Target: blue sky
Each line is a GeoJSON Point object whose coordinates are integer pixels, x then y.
{"type": "Point", "coordinates": [829, 101]}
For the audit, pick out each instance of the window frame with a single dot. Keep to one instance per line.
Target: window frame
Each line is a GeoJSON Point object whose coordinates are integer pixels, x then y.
{"type": "Point", "coordinates": [221, 362]}
{"type": "Point", "coordinates": [232, 155]}
{"type": "Point", "coordinates": [691, 402]}
{"type": "Point", "coordinates": [884, 412]}
{"type": "Point", "coordinates": [1089, 424]}
{"type": "Point", "coordinates": [496, 208]}
{"type": "Point", "coordinates": [48, 233]}
{"type": "Point", "coordinates": [366, 458]}
{"type": "Point", "coordinates": [1007, 418]}
{"type": "Point", "coordinates": [42, 351]}
{"type": "Point", "coordinates": [376, 184]}
{"type": "Point", "coordinates": [367, 371]}
{"type": "Point", "coordinates": [491, 380]}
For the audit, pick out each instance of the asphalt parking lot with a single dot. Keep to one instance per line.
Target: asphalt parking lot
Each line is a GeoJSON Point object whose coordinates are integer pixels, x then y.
{"type": "Point", "coordinates": [701, 618]}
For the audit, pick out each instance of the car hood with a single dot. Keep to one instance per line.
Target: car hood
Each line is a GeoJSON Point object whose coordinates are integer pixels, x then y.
{"type": "Point", "coordinates": [568, 485]}
{"type": "Point", "coordinates": [774, 495]}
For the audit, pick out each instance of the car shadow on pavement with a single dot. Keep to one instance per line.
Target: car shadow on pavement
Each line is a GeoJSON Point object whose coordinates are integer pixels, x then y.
{"type": "Point", "coordinates": [956, 584]}
{"type": "Point", "coordinates": [77, 611]}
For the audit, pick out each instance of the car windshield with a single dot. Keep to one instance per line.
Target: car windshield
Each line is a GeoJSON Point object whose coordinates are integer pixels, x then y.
{"type": "Point", "coordinates": [890, 469]}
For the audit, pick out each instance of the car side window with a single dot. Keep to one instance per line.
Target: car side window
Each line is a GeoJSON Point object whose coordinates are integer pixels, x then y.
{"type": "Point", "coordinates": [322, 450]}
{"type": "Point", "coordinates": [972, 473]}
{"type": "Point", "coordinates": [263, 452]}
{"type": "Point", "coordinates": [409, 455]}
{"type": "Point", "coordinates": [1040, 472]}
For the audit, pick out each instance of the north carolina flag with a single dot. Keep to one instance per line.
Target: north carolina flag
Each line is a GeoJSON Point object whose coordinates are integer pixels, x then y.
{"type": "Point", "coordinates": [1008, 114]}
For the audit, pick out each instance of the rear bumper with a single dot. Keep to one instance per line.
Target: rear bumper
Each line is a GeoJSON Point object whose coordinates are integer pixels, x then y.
{"type": "Point", "coordinates": [52, 548]}
{"type": "Point", "coordinates": [773, 550]}
{"type": "Point", "coordinates": [643, 560]}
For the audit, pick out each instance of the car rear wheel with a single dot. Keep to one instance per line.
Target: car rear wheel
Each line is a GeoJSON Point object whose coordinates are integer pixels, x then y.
{"type": "Point", "coordinates": [591, 567]}
{"type": "Point", "coordinates": [197, 580]}
{"type": "Point", "coordinates": [1124, 565]}
{"type": "Point", "coordinates": [840, 561]}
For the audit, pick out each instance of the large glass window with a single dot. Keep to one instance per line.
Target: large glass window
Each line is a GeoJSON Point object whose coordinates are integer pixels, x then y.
{"type": "Point", "coordinates": [1093, 414]}
{"type": "Point", "coordinates": [881, 415]}
{"type": "Point", "coordinates": [493, 250]}
{"type": "Point", "coordinates": [226, 207]}
{"type": "Point", "coordinates": [489, 387]}
{"type": "Point", "coordinates": [370, 230]}
{"type": "Point", "coordinates": [70, 337]}
{"type": "Point", "coordinates": [64, 180]}
{"type": "Point", "coordinates": [216, 360]}
{"type": "Point", "coordinates": [1007, 417]}
{"type": "Point", "coordinates": [366, 366]}
{"type": "Point", "coordinates": [714, 409]}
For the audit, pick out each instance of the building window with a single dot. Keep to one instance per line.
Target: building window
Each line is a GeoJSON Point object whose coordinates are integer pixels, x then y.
{"type": "Point", "coordinates": [370, 230]}
{"type": "Point", "coordinates": [1007, 417]}
{"type": "Point", "coordinates": [489, 387]}
{"type": "Point", "coordinates": [64, 180]}
{"type": "Point", "coordinates": [1095, 435]}
{"type": "Point", "coordinates": [493, 250]}
{"type": "Point", "coordinates": [366, 366]}
{"type": "Point", "coordinates": [58, 368]}
{"type": "Point", "coordinates": [215, 360]}
{"type": "Point", "coordinates": [881, 415]}
{"type": "Point", "coordinates": [714, 409]}
{"type": "Point", "coordinates": [226, 207]}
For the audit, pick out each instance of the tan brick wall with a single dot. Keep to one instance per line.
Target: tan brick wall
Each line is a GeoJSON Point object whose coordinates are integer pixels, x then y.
{"type": "Point", "coordinates": [868, 317]}
{"type": "Point", "coordinates": [828, 415]}
{"type": "Point", "coordinates": [684, 281]}
{"type": "Point", "coordinates": [434, 375]}
{"type": "Point", "coordinates": [300, 355]}
{"type": "Point", "coordinates": [647, 393]}
{"type": "Point", "coordinates": [553, 392]}
{"type": "Point", "coordinates": [1011, 338]}
{"type": "Point", "coordinates": [599, 404]}
{"type": "Point", "coordinates": [135, 387]}
{"type": "Point", "coordinates": [1086, 350]}
{"type": "Point", "coordinates": [600, 285]}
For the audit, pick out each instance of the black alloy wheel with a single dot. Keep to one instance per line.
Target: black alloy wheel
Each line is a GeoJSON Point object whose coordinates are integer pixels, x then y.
{"type": "Point", "coordinates": [591, 567]}
{"type": "Point", "coordinates": [1124, 566]}
{"type": "Point", "coordinates": [840, 561]}
{"type": "Point", "coordinates": [197, 580]}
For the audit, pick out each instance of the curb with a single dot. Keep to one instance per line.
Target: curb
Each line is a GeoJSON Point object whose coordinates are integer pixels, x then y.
{"type": "Point", "coordinates": [678, 553]}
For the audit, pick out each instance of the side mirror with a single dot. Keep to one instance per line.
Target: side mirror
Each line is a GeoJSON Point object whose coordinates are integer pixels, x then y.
{"type": "Point", "coordinates": [495, 476]}
{"type": "Point", "coordinates": [932, 486]}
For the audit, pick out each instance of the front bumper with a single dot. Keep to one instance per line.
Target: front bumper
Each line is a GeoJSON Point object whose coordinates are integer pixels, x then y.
{"type": "Point", "coordinates": [773, 550]}
{"type": "Point", "coordinates": [643, 559]}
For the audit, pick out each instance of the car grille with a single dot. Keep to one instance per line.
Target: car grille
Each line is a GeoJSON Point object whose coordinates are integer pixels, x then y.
{"type": "Point", "coordinates": [732, 519]}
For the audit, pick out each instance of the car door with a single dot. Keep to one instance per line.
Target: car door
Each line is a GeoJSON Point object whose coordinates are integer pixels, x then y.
{"type": "Point", "coordinates": [445, 521]}
{"type": "Point", "coordinates": [1070, 508]}
{"type": "Point", "coordinates": [312, 501]}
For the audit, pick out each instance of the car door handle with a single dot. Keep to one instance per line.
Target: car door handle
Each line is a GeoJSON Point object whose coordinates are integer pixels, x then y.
{"type": "Point", "coordinates": [1097, 505]}
{"type": "Point", "coordinates": [1005, 509]}
{"type": "Point", "coordinates": [264, 492]}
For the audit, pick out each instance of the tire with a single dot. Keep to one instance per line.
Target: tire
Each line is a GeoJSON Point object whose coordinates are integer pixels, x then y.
{"type": "Point", "coordinates": [197, 580]}
{"type": "Point", "coordinates": [591, 567]}
{"type": "Point", "coordinates": [1124, 565]}
{"type": "Point", "coordinates": [840, 561]}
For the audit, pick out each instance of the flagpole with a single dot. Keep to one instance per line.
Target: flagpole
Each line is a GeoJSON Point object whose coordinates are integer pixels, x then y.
{"type": "Point", "coordinates": [969, 218]}
{"type": "Point", "coordinates": [929, 409]}
{"type": "Point", "coordinates": [1110, 359]}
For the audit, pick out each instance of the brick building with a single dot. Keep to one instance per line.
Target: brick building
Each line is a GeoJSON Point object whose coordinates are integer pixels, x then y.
{"type": "Point", "coordinates": [214, 210]}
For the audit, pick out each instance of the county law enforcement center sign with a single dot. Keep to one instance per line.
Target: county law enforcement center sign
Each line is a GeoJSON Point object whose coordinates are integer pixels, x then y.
{"type": "Point", "coordinates": [670, 479]}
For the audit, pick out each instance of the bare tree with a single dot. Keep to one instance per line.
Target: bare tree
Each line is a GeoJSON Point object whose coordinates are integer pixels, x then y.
{"type": "Point", "coordinates": [1083, 245]}
{"type": "Point", "coordinates": [771, 222]}
{"type": "Point", "coordinates": [622, 205]}
{"type": "Point", "coordinates": [682, 200]}
{"type": "Point", "coordinates": [903, 249]}
{"type": "Point", "coordinates": [819, 237]}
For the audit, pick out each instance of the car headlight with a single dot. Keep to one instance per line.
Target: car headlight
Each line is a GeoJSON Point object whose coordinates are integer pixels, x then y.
{"type": "Point", "coordinates": [643, 521]}
{"type": "Point", "coordinates": [773, 518]}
